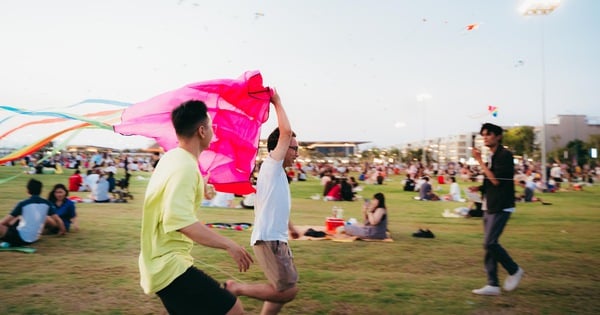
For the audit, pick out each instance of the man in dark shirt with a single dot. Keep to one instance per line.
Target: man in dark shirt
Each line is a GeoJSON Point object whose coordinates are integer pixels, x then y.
{"type": "Point", "coordinates": [499, 191]}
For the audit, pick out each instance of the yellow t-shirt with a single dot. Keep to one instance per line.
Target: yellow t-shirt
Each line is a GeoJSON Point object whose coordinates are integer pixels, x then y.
{"type": "Point", "coordinates": [173, 195]}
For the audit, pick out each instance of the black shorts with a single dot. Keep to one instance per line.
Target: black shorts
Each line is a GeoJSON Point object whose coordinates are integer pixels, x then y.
{"type": "Point", "coordinates": [195, 292]}
{"type": "Point", "coordinates": [13, 237]}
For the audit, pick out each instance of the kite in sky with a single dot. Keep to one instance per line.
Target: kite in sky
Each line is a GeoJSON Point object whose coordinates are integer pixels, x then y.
{"type": "Point", "coordinates": [472, 27]}
{"type": "Point", "coordinates": [238, 109]}
{"type": "Point", "coordinates": [519, 63]}
{"type": "Point", "coordinates": [493, 110]}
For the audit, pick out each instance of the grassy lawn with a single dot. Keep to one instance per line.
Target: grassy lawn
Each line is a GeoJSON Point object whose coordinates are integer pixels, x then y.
{"type": "Point", "coordinates": [94, 271]}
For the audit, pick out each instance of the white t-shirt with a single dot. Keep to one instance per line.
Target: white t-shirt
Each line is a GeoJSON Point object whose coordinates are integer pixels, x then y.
{"type": "Point", "coordinates": [32, 213]}
{"type": "Point", "coordinates": [222, 200]}
{"type": "Point", "coordinates": [100, 191]}
{"type": "Point", "coordinates": [455, 191]}
{"type": "Point", "coordinates": [90, 181]}
{"type": "Point", "coordinates": [272, 204]}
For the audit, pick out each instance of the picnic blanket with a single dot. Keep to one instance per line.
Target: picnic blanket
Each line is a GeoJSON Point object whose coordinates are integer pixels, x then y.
{"type": "Point", "coordinates": [230, 226]}
{"type": "Point", "coordinates": [28, 250]}
{"type": "Point", "coordinates": [336, 237]}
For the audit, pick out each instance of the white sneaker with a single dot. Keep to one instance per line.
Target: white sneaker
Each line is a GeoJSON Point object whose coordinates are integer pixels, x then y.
{"type": "Point", "coordinates": [487, 290]}
{"type": "Point", "coordinates": [511, 282]}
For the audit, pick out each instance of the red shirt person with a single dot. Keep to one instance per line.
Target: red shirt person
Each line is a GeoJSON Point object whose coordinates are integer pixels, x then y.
{"type": "Point", "coordinates": [75, 181]}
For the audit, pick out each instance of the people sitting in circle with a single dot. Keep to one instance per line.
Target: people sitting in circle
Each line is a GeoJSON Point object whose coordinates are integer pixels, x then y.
{"type": "Point", "coordinates": [375, 220]}
{"type": "Point", "coordinates": [65, 209]}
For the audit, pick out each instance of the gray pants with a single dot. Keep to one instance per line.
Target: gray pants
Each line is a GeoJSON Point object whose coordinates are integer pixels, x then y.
{"type": "Point", "coordinates": [493, 225]}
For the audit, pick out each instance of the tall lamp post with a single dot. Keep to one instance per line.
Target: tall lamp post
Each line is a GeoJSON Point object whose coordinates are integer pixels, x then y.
{"type": "Point", "coordinates": [422, 98]}
{"type": "Point", "coordinates": [541, 8]}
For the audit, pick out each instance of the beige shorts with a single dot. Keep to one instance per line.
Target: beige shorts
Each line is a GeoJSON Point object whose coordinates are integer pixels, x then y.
{"type": "Point", "coordinates": [275, 259]}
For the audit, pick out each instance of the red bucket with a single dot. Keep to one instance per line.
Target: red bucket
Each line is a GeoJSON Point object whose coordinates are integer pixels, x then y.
{"type": "Point", "coordinates": [332, 223]}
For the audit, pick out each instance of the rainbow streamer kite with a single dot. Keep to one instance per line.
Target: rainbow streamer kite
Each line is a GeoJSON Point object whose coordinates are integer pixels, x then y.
{"type": "Point", "coordinates": [56, 123]}
{"type": "Point", "coordinates": [237, 107]}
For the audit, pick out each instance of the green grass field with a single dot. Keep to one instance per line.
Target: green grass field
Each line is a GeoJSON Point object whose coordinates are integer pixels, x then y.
{"type": "Point", "coordinates": [94, 271]}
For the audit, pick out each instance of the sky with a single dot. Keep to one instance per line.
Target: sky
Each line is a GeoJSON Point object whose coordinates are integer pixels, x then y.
{"type": "Point", "coordinates": [387, 72]}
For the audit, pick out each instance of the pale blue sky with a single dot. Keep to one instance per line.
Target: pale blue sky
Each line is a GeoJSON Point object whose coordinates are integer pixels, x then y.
{"type": "Point", "coordinates": [346, 70]}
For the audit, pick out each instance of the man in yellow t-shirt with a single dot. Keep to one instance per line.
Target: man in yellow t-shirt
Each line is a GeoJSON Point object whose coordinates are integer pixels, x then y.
{"type": "Point", "coordinates": [170, 226]}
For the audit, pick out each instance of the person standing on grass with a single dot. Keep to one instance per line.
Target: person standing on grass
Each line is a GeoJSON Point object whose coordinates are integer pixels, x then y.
{"type": "Point", "coordinates": [499, 190]}
{"type": "Point", "coordinates": [170, 226]}
{"type": "Point", "coordinates": [272, 221]}
{"type": "Point", "coordinates": [25, 223]}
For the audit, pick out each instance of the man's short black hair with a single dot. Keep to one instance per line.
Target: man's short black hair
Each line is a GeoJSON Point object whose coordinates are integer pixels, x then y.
{"type": "Point", "coordinates": [274, 138]}
{"type": "Point", "coordinates": [188, 116]}
{"type": "Point", "coordinates": [491, 128]}
{"type": "Point", "coordinates": [34, 187]}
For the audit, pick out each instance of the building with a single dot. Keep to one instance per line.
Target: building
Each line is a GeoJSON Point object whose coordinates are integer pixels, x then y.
{"type": "Point", "coordinates": [320, 149]}
{"type": "Point", "coordinates": [565, 128]}
{"type": "Point", "coordinates": [457, 148]}
{"type": "Point", "coordinates": [454, 148]}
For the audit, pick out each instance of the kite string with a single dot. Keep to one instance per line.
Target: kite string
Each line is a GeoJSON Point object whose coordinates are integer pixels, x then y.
{"type": "Point", "coordinates": [500, 178]}
{"type": "Point", "coordinates": [220, 270]}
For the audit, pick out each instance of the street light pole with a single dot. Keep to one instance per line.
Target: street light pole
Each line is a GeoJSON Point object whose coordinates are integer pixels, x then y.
{"type": "Point", "coordinates": [422, 98]}
{"type": "Point", "coordinates": [543, 142]}
{"type": "Point", "coordinates": [537, 8]}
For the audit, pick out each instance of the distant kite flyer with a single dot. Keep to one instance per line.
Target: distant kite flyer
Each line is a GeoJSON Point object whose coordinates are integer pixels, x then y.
{"type": "Point", "coordinates": [238, 108]}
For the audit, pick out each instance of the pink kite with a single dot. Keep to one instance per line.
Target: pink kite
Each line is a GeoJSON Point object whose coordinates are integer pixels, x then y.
{"type": "Point", "coordinates": [238, 109]}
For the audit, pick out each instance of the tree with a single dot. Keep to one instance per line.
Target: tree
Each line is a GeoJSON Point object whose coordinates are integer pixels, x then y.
{"type": "Point", "coordinates": [395, 154]}
{"type": "Point", "coordinates": [520, 140]}
{"type": "Point", "coordinates": [578, 152]}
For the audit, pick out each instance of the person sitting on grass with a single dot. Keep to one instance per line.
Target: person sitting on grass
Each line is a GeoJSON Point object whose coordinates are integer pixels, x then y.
{"type": "Point", "coordinates": [528, 193]}
{"type": "Point", "coordinates": [25, 223]}
{"type": "Point", "coordinates": [65, 209]}
{"type": "Point", "coordinates": [426, 192]}
{"type": "Point", "coordinates": [409, 184]}
{"type": "Point", "coordinates": [454, 194]}
{"type": "Point", "coordinates": [100, 191]}
{"type": "Point", "coordinates": [375, 220]}
{"type": "Point", "coordinates": [75, 181]}
{"type": "Point", "coordinates": [333, 190]}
